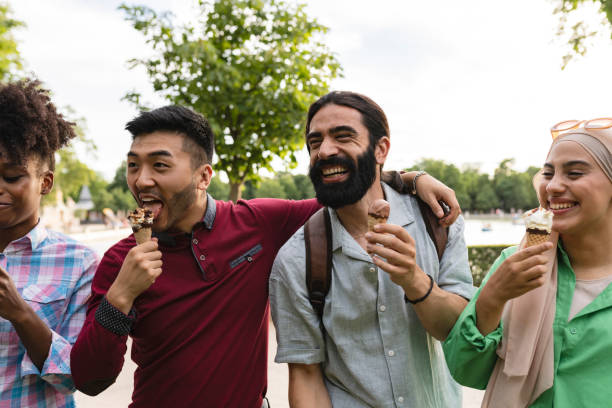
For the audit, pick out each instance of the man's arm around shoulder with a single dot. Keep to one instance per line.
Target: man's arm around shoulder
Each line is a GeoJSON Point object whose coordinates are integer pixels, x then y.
{"type": "Point", "coordinates": [306, 387]}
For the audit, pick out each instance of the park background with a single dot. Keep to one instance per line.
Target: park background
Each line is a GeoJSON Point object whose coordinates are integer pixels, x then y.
{"type": "Point", "coordinates": [470, 89]}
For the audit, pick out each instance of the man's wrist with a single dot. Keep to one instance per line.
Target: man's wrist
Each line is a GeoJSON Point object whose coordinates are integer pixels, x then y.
{"type": "Point", "coordinates": [418, 286]}
{"type": "Point", "coordinates": [119, 300]}
{"type": "Point", "coordinates": [413, 189]}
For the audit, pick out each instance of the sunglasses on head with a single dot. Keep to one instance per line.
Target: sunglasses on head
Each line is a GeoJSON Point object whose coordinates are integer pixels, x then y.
{"type": "Point", "coordinates": [593, 124]}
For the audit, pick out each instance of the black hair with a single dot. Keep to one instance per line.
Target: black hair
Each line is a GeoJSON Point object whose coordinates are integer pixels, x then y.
{"type": "Point", "coordinates": [372, 115]}
{"type": "Point", "coordinates": [30, 123]}
{"type": "Point", "coordinates": [176, 118]}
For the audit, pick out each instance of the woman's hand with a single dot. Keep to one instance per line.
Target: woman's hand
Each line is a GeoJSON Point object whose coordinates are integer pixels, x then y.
{"type": "Point", "coordinates": [522, 272]}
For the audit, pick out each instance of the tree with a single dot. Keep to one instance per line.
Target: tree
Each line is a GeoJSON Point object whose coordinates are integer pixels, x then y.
{"type": "Point", "coordinates": [10, 60]}
{"type": "Point", "coordinates": [449, 174]}
{"type": "Point", "coordinates": [251, 67]}
{"type": "Point", "coordinates": [514, 189]}
{"type": "Point", "coordinates": [218, 189]}
{"type": "Point", "coordinates": [580, 31]}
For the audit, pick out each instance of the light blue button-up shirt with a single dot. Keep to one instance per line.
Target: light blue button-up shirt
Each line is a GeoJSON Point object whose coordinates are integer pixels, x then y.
{"type": "Point", "coordinates": [375, 352]}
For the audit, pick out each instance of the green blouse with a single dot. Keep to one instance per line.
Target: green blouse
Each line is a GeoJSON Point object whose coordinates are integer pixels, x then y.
{"type": "Point", "coordinates": [583, 346]}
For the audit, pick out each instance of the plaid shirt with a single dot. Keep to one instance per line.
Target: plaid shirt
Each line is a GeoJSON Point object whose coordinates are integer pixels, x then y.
{"type": "Point", "coordinates": [53, 273]}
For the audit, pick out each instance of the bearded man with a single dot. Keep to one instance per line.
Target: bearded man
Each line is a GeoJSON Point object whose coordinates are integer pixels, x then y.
{"type": "Point", "coordinates": [391, 300]}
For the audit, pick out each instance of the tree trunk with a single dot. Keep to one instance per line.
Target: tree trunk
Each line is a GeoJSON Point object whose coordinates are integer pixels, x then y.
{"type": "Point", "coordinates": [235, 192]}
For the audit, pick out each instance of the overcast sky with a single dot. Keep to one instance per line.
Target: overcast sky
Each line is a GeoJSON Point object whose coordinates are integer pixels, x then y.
{"type": "Point", "coordinates": [468, 82]}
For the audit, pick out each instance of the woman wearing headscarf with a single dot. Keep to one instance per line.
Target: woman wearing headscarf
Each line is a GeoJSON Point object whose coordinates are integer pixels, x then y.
{"type": "Point", "coordinates": [538, 333]}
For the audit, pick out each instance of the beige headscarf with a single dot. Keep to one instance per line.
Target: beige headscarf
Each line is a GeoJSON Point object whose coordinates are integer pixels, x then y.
{"type": "Point", "coordinates": [525, 367]}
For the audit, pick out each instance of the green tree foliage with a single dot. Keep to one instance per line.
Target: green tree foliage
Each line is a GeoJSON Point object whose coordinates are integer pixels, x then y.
{"type": "Point", "coordinates": [450, 175]}
{"type": "Point", "coordinates": [579, 31]}
{"type": "Point", "coordinates": [514, 189]}
{"type": "Point", "coordinates": [252, 67]}
{"type": "Point", "coordinates": [282, 185]}
{"type": "Point", "coordinates": [10, 59]}
{"type": "Point", "coordinates": [218, 189]}
{"type": "Point", "coordinates": [477, 192]}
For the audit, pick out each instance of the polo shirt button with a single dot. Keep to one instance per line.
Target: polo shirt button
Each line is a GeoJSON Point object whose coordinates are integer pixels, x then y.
{"type": "Point", "coordinates": [250, 258]}
{"type": "Point", "coordinates": [202, 257]}
{"type": "Point", "coordinates": [400, 399]}
{"type": "Point", "coordinates": [573, 331]}
{"type": "Point", "coordinates": [391, 353]}
{"type": "Point", "coordinates": [372, 269]}
{"type": "Point", "coordinates": [382, 308]}
{"type": "Point", "coordinates": [195, 241]}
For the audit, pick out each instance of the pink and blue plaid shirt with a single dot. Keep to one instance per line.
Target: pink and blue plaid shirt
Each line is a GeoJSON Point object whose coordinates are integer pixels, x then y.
{"type": "Point", "coordinates": [53, 273]}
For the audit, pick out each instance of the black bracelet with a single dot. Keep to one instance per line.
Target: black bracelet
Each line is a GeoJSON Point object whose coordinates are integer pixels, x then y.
{"type": "Point", "coordinates": [431, 283]}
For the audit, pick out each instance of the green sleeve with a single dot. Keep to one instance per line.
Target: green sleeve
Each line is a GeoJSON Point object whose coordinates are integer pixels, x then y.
{"type": "Point", "coordinates": [471, 356]}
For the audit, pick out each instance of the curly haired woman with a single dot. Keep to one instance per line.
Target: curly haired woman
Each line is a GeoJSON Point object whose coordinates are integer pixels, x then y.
{"type": "Point", "coordinates": [45, 276]}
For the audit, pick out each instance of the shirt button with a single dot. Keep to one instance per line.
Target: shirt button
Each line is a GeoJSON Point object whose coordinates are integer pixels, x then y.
{"type": "Point", "coordinates": [573, 331]}
{"type": "Point", "coordinates": [250, 258]}
{"type": "Point", "coordinates": [382, 308]}
{"type": "Point", "coordinates": [372, 269]}
{"type": "Point", "coordinates": [195, 241]}
{"type": "Point", "coordinates": [400, 399]}
{"type": "Point", "coordinates": [202, 257]}
{"type": "Point", "coordinates": [391, 353]}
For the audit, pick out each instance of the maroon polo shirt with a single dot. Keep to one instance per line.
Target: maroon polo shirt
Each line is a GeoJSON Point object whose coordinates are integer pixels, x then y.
{"type": "Point", "coordinates": [201, 331]}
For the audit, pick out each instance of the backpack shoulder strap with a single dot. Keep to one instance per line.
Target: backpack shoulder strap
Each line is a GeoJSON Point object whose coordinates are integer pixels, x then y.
{"type": "Point", "coordinates": [318, 240]}
{"type": "Point", "coordinates": [437, 233]}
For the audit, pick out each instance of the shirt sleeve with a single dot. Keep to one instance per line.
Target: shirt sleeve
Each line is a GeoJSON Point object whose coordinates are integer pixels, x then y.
{"type": "Point", "coordinates": [471, 356]}
{"type": "Point", "coordinates": [298, 327]}
{"type": "Point", "coordinates": [56, 369]}
{"type": "Point", "coordinates": [97, 356]}
{"type": "Point", "coordinates": [455, 275]}
{"type": "Point", "coordinates": [282, 218]}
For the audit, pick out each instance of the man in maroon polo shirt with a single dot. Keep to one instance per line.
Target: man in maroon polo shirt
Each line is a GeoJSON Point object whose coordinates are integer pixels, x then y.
{"type": "Point", "coordinates": [200, 328]}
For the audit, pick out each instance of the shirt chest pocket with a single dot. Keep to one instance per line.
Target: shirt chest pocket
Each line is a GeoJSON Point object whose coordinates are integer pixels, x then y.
{"type": "Point", "coordinates": [47, 301]}
{"type": "Point", "coordinates": [247, 257]}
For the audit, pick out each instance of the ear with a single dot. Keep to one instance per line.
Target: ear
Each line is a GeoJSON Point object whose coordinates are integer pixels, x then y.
{"type": "Point", "coordinates": [46, 182]}
{"type": "Point", "coordinates": [382, 149]}
{"type": "Point", "coordinates": [204, 176]}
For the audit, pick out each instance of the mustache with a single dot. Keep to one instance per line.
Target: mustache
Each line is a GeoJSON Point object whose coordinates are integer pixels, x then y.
{"type": "Point", "coordinates": [316, 168]}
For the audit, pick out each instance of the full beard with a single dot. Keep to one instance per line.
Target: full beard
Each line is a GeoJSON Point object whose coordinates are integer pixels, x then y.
{"type": "Point", "coordinates": [361, 177]}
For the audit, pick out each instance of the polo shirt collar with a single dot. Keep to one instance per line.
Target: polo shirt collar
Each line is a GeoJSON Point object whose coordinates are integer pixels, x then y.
{"type": "Point", "coordinates": [210, 213]}
{"type": "Point", "coordinates": [401, 214]}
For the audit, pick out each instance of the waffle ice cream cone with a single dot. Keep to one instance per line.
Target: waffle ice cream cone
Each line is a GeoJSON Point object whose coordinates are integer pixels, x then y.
{"type": "Point", "coordinates": [539, 225]}
{"type": "Point", "coordinates": [141, 220]}
{"type": "Point", "coordinates": [536, 238]}
{"type": "Point", "coordinates": [378, 213]}
{"type": "Point", "coordinates": [142, 235]}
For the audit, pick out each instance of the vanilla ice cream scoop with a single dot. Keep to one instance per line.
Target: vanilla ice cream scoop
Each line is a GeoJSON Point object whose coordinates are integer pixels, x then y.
{"type": "Point", "coordinates": [539, 225]}
{"type": "Point", "coordinates": [539, 219]}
